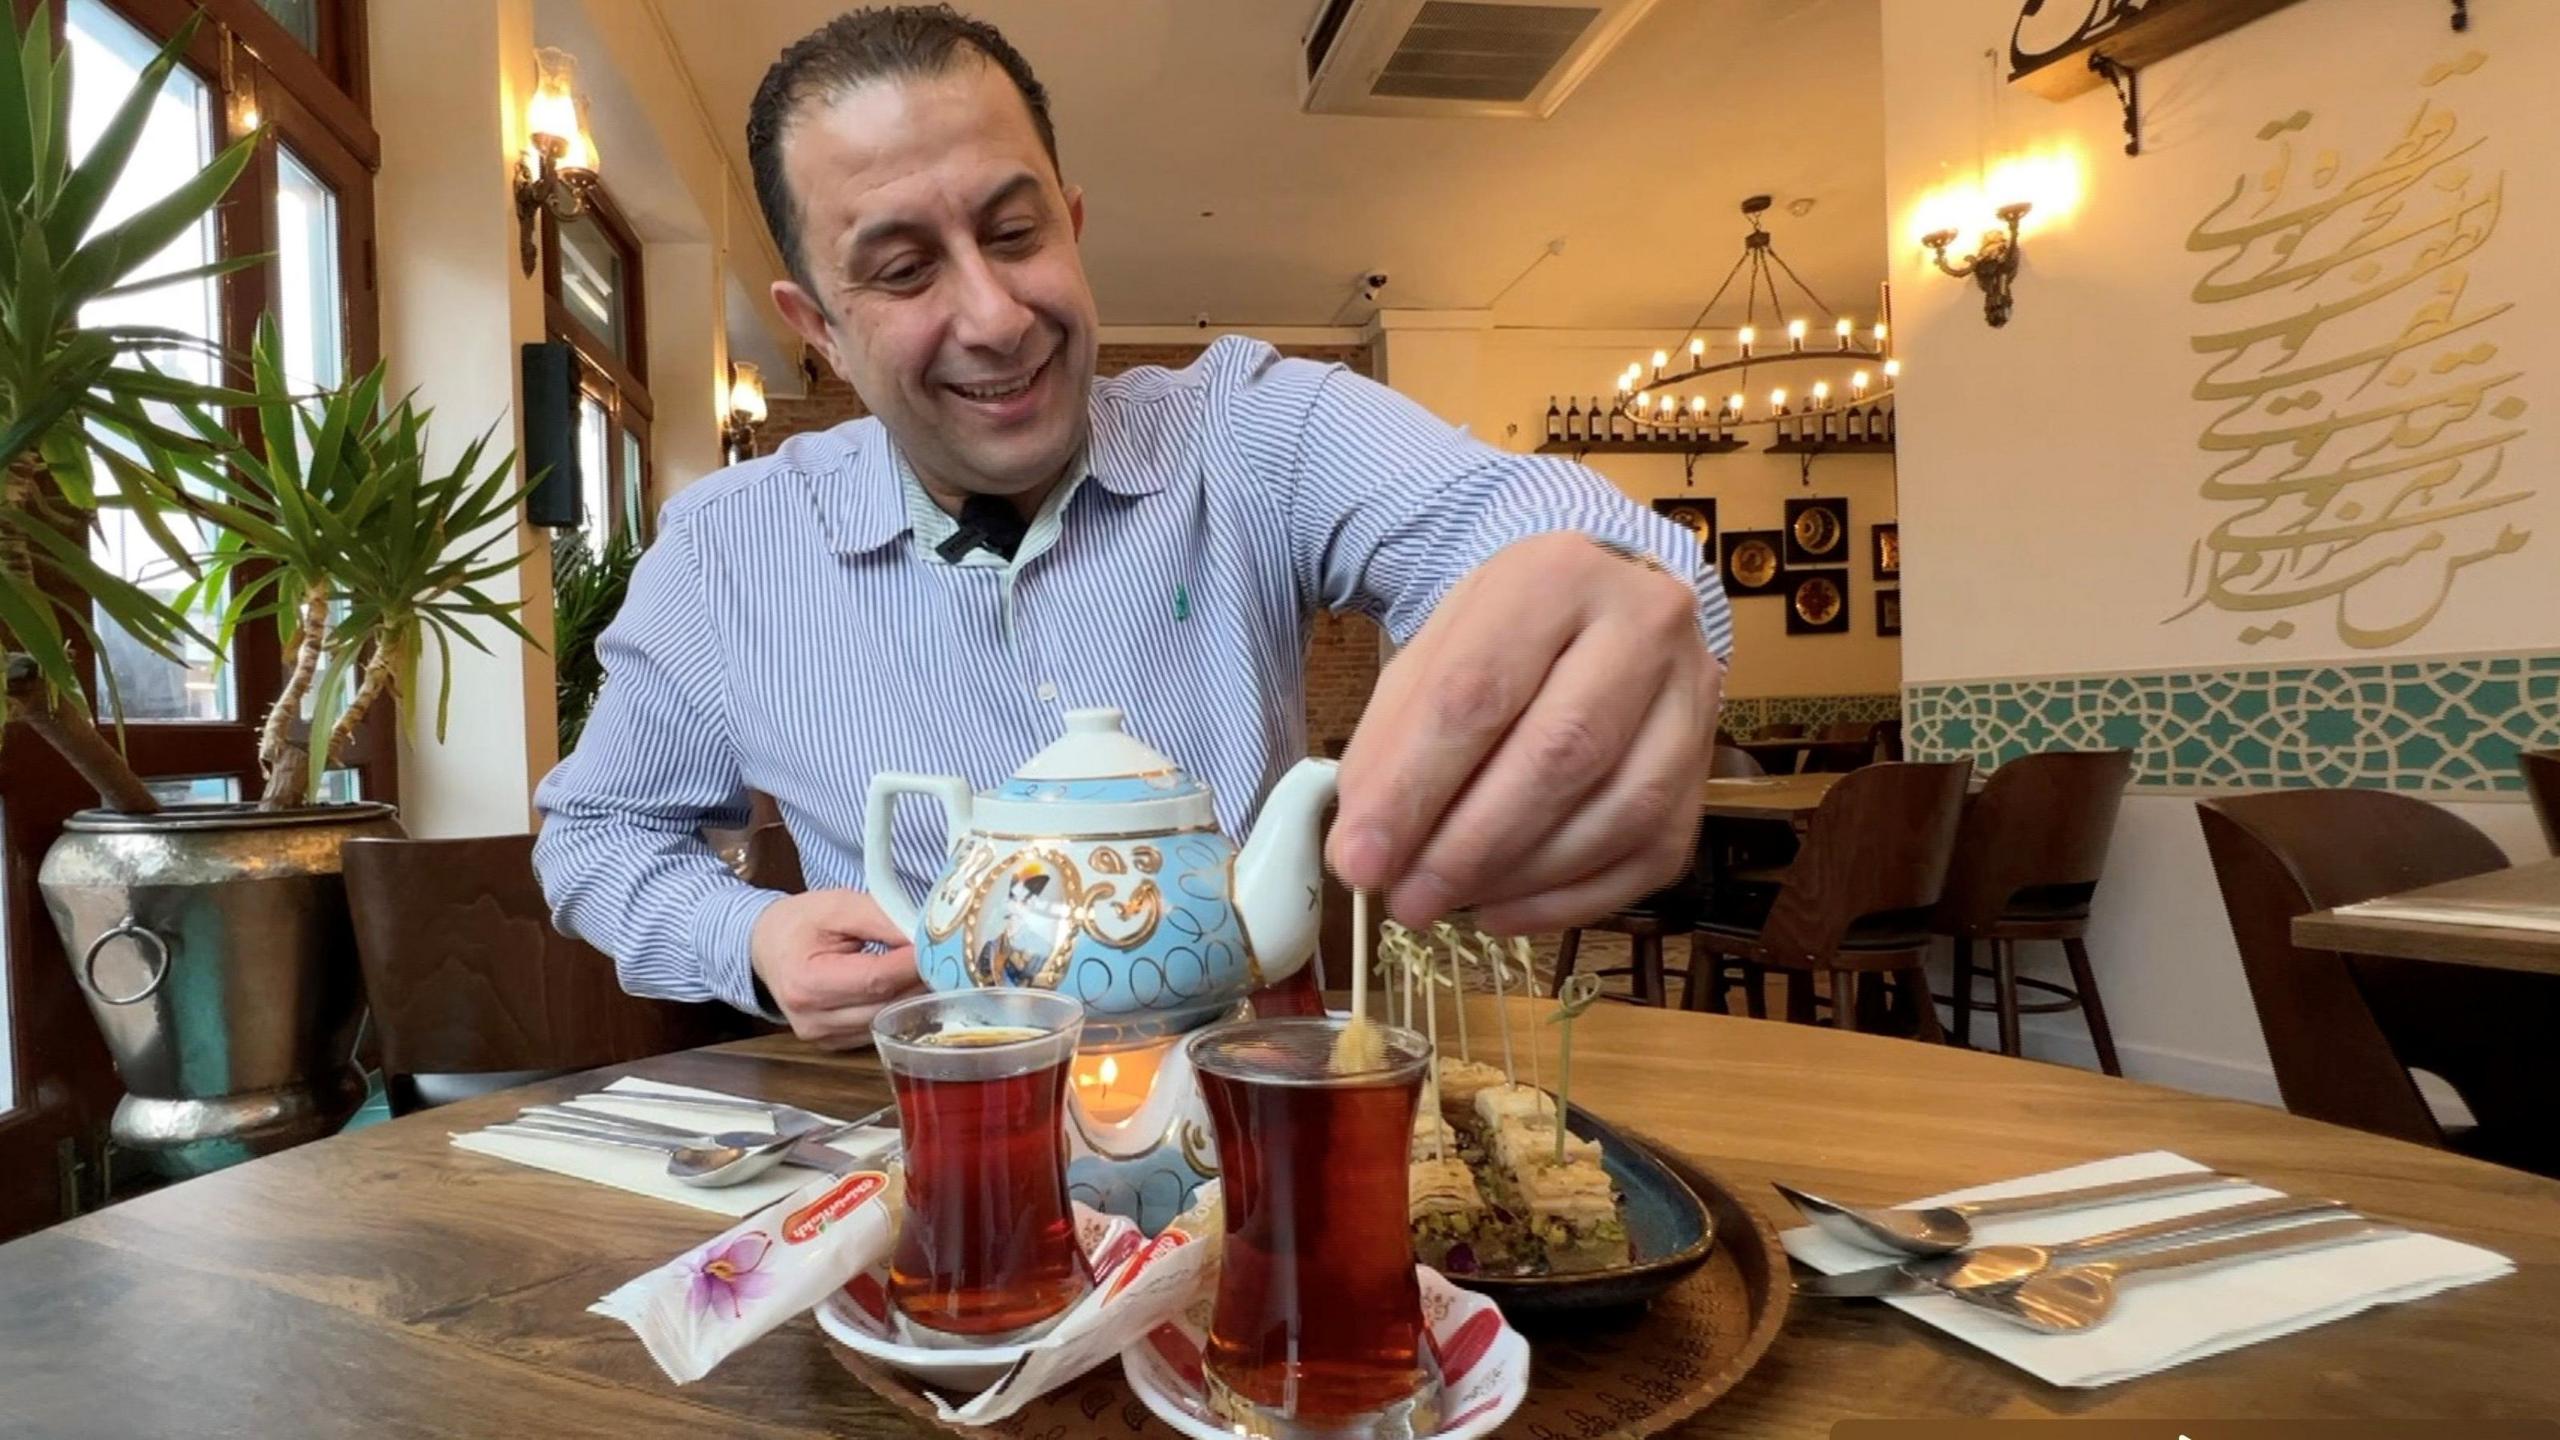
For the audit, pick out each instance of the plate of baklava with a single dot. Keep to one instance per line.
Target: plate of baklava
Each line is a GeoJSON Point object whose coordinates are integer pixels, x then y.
{"type": "Point", "coordinates": [1541, 1210]}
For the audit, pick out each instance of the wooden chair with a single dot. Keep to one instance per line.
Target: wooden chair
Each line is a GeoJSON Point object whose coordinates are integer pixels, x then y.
{"type": "Point", "coordinates": [1847, 744]}
{"type": "Point", "coordinates": [2542, 781]}
{"type": "Point", "coordinates": [1728, 763]}
{"type": "Point", "coordinates": [2345, 1031]}
{"type": "Point", "coordinates": [472, 990]}
{"type": "Point", "coordinates": [1855, 900]}
{"type": "Point", "coordinates": [2026, 864]}
{"type": "Point", "coordinates": [1647, 924]}
{"type": "Point", "coordinates": [1888, 737]}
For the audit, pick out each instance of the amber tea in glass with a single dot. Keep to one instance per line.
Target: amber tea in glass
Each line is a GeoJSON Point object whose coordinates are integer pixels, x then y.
{"type": "Point", "coordinates": [987, 1243]}
{"type": "Point", "coordinates": [1318, 1325]}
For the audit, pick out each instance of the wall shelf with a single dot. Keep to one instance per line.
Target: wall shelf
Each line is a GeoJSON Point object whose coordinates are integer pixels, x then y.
{"type": "Point", "coordinates": [1642, 447]}
{"type": "Point", "coordinates": [1831, 447]}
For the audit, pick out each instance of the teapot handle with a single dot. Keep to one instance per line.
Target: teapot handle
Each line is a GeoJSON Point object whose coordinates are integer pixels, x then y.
{"type": "Point", "coordinates": [879, 862]}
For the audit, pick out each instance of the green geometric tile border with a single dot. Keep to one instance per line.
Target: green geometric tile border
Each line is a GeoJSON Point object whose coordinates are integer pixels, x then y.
{"type": "Point", "coordinates": [2438, 725]}
{"type": "Point", "coordinates": [1745, 719]}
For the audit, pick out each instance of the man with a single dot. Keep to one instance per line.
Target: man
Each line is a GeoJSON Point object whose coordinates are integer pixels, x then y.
{"type": "Point", "coordinates": [931, 588]}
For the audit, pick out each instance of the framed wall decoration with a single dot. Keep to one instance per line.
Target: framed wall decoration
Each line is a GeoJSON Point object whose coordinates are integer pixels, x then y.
{"type": "Point", "coordinates": [1752, 563]}
{"type": "Point", "coordinates": [1818, 602]}
{"type": "Point", "coordinates": [1888, 612]}
{"type": "Point", "coordinates": [1695, 514]}
{"type": "Point", "coordinates": [1888, 539]}
{"type": "Point", "coordinates": [1817, 532]}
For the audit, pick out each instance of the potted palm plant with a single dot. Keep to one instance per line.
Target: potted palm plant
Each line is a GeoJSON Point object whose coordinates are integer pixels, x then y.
{"type": "Point", "coordinates": [341, 533]}
{"type": "Point", "coordinates": [586, 593]}
{"type": "Point", "coordinates": [212, 942]}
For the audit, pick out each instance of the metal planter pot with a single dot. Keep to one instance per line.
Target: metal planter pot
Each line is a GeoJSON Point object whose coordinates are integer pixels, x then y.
{"type": "Point", "coordinates": [213, 944]}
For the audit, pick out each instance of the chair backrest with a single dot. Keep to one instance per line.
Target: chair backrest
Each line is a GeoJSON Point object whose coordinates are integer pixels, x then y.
{"type": "Point", "coordinates": [1875, 850]}
{"type": "Point", "coordinates": [2041, 824]}
{"type": "Point", "coordinates": [466, 978]}
{"type": "Point", "coordinates": [2542, 781]}
{"type": "Point", "coordinates": [1848, 730]}
{"type": "Point", "coordinates": [2289, 852]}
{"type": "Point", "coordinates": [1782, 730]}
{"type": "Point", "coordinates": [1729, 763]}
{"type": "Point", "coordinates": [1888, 741]}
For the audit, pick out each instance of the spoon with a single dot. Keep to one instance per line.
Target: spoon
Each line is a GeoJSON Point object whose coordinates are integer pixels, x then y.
{"type": "Point", "coordinates": [1939, 1229]}
{"type": "Point", "coordinates": [711, 1164]}
{"type": "Point", "coordinates": [2077, 1297]}
{"type": "Point", "coordinates": [1993, 1267]}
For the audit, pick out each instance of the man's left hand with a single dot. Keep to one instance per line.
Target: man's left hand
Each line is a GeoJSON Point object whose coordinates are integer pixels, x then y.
{"type": "Point", "coordinates": [1536, 752]}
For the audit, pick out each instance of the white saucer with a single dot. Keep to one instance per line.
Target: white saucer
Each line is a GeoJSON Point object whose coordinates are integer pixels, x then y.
{"type": "Point", "coordinates": [1484, 1364]}
{"type": "Point", "coordinates": [856, 1315]}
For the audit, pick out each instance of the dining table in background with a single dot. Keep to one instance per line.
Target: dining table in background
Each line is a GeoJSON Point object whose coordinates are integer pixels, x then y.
{"type": "Point", "coordinates": [1769, 797]}
{"type": "Point", "coordinates": [384, 1284]}
{"type": "Point", "coordinates": [2531, 890]}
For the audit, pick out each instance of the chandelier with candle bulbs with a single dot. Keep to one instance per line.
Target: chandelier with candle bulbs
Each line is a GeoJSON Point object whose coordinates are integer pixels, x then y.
{"type": "Point", "coordinates": [1658, 398]}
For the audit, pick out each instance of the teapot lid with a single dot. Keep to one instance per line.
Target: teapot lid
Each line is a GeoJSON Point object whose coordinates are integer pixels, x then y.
{"type": "Point", "coordinates": [1099, 760]}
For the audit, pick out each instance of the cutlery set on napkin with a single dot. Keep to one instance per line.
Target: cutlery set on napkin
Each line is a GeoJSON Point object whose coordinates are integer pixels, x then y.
{"type": "Point", "coordinates": [2101, 1272]}
{"type": "Point", "coordinates": [724, 1153]}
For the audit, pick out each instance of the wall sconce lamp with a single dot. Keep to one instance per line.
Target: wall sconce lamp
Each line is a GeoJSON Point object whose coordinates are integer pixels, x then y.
{"type": "Point", "coordinates": [558, 167]}
{"type": "Point", "coordinates": [1992, 265]}
{"type": "Point", "coordinates": [746, 410]}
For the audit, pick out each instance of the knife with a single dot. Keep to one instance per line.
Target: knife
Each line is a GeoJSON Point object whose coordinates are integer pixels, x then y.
{"type": "Point", "coordinates": [1926, 1276]}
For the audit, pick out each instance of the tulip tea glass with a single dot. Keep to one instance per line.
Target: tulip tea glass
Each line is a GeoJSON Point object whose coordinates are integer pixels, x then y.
{"type": "Point", "coordinates": [987, 1242]}
{"type": "Point", "coordinates": [1318, 1327]}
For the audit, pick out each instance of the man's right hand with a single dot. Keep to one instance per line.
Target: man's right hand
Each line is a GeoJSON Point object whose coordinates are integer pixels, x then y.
{"type": "Point", "coordinates": [810, 952]}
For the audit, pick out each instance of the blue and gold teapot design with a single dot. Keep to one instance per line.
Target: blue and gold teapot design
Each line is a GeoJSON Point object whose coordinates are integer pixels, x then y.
{"type": "Point", "coordinates": [1098, 871]}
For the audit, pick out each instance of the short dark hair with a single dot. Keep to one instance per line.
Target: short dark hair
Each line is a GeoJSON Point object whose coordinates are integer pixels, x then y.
{"type": "Point", "coordinates": [875, 43]}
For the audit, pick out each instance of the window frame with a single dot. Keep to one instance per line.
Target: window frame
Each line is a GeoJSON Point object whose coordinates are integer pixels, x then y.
{"type": "Point", "coordinates": [619, 384]}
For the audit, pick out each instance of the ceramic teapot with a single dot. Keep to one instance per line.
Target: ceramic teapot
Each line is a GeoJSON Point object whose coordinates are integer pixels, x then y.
{"type": "Point", "coordinates": [1098, 871]}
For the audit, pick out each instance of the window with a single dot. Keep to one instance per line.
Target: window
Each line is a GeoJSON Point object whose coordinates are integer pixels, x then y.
{"type": "Point", "coordinates": [591, 280]}
{"type": "Point", "coordinates": [191, 728]}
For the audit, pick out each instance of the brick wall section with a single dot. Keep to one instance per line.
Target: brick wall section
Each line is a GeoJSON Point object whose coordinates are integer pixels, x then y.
{"type": "Point", "coordinates": [1342, 655]}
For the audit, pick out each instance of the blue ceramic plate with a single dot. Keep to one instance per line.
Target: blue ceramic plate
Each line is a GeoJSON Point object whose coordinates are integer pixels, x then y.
{"type": "Point", "coordinates": [1668, 1234]}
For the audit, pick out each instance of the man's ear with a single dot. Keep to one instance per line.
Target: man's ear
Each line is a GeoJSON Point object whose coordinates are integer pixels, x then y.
{"type": "Point", "coordinates": [807, 317]}
{"type": "Point", "coordinates": [1075, 209]}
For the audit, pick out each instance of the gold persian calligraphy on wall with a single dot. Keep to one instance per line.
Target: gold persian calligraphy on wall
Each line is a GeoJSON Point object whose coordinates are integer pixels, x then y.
{"type": "Point", "coordinates": [2366, 408]}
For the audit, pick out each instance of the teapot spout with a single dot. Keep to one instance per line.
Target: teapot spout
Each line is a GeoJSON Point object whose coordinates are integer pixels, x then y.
{"type": "Point", "coordinates": [1279, 875]}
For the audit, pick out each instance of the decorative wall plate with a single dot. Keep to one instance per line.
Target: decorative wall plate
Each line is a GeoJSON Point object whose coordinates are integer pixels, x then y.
{"type": "Point", "coordinates": [1818, 531]}
{"type": "Point", "coordinates": [1820, 604]}
{"type": "Point", "coordinates": [1751, 563]}
{"type": "Point", "coordinates": [1694, 513]}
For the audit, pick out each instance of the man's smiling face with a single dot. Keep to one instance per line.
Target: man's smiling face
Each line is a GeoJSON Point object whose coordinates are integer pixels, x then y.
{"type": "Point", "coordinates": [949, 293]}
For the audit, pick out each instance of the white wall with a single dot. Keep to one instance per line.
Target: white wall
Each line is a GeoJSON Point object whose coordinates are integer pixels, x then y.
{"type": "Point", "coordinates": [454, 309]}
{"type": "Point", "coordinates": [1498, 381]}
{"type": "Point", "coordinates": [2053, 471]}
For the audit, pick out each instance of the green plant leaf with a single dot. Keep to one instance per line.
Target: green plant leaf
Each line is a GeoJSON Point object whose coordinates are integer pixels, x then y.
{"type": "Point", "coordinates": [26, 613]}
{"type": "Point", "coordinates": [17, 153]}
{"type": "Point", "coordinates": [101, 263]}
{"type": "Point", "coordinates": [84, 192]}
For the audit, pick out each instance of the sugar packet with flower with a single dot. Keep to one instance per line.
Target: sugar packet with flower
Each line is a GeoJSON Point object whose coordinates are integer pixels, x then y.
{"type": "Point", "coordinates": [709, 1303]}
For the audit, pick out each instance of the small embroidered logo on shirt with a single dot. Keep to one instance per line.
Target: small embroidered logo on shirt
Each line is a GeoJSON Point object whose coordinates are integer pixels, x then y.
{"type": "Point", "coordinates": [1181, 602]}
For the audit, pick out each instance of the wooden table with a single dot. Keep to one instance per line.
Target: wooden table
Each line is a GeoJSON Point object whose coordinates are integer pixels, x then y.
{"type": "Point", "coordinates": [385, 1285]}
{"type": "Point", "coordinates": [1775, 797]}
{"type": "Point", "coordinates": [2498, 948]}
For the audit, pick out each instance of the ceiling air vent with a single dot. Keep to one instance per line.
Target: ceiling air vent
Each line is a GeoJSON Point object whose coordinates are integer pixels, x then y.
{"type": "Point", "coordinates": [1516, 58]}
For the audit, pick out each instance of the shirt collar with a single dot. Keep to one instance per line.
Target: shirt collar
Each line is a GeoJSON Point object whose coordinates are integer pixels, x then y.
{"type": "Point", "coordinates": [872, 498]}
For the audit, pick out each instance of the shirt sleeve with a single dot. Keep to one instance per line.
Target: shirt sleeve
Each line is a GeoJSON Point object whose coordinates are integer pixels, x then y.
{"type": "Point", "coordinates": [1391, 506]}
{"type": "Point", "coordinates": [621, 854]}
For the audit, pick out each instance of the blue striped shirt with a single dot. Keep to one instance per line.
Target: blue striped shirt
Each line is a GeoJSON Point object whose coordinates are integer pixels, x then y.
{"type": "Point", "coordinates": [792, 630]}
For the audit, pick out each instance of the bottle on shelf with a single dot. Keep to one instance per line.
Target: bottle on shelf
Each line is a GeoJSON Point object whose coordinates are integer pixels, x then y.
{"type": "Point", "coordinates": [1891, 430]}
{"type": "Point", "coordinates": [1854, 429]}
{"type": "Point", "coordinates": [1620, 427]}
{"type": "Point", "coordinates": [1555, 421]}
{"type": "Point", "coordinates": [1568, 426]}
{"type": "Point", "coordinates": [1830, 423]}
